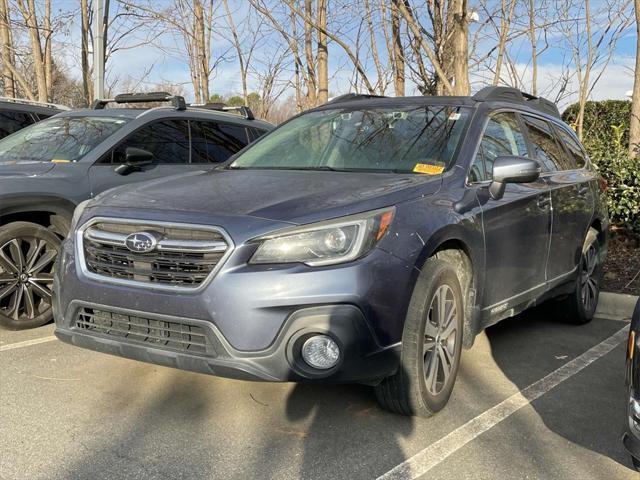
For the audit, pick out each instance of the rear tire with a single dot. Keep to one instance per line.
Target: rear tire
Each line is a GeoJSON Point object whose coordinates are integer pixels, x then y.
{"type": "Point", "coordinates": [28, 253]}
{"type": "Point", "coordinates": [580, 306]}
{"type": "Point", "coordinates": [431, 345]}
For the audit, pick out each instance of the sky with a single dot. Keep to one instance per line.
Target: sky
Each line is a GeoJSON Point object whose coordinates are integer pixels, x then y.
{"type": "Point", "coordinates": [616, 81]}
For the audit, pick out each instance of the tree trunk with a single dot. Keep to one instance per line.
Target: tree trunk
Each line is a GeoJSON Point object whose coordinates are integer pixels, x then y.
{"type": "Point", "coordinates": [87, 84]}
{"type": "Point", "coordinates": [505, 23]}
{"type": "Point", "coordinates": [459, 40]}
{"type": "Point", "coordinates": [6, 51]}
{"type": "Point", "coordinates": [398, 51]}
{"type": "Point", "coordinates": [238, 47]}
{"type": "Point", "coordinates": [534, 47]}
{"type": "Point", "coordinates": [30, 19]}
{"type": "Point", "coordinates": [312, 84]}
{"type": "Point", "coordinates": [634, 124]}
{"type": "Point", "coordinates": [585, 79]}
{"type": "Point", "coordinates": [48, 59]}
{"type": "Point", "coordinates": [322, 54]}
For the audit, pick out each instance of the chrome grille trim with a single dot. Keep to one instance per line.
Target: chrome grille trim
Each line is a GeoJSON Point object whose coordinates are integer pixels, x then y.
{"type": "Point", "coordinates": [174, 249]}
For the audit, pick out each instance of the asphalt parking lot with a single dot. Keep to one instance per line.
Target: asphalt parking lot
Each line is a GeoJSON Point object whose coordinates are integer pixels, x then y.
{"type": "Point", "coordinates": [66, 413]}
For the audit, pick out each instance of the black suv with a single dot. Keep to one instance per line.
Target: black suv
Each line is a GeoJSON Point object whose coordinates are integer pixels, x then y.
{"type": "Point", "coordinates": [367, 240]}
{"type": "Point", "coordinates": [50, 167]}
{"type": "Point", "coordinates": [16, 114]}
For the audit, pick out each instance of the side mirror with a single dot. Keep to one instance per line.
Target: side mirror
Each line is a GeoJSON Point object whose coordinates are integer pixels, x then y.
{"type": "Point", "coordinates": [134, 159]}
{"type": "Point", "coordinates": [512, 169]}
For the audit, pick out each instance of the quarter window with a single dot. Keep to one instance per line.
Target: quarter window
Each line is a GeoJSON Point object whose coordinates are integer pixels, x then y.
{"type": "Point", "coordinates": [168, 141]}
{"type": "Point", "coordinates": [502, 136]}
{"type": "Point", "coordinates": [545, 147]}
{"type": "Point", "coordinates": [575, 150]}
{"type": "Point", "coordinates": [216, 142]}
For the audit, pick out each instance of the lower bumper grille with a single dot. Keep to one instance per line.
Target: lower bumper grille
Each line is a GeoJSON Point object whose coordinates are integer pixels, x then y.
{"type": "Point", "coordinates": [172, 335]}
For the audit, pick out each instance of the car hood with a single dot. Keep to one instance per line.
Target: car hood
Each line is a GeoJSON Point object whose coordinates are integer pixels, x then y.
{"type": "Point", "coordinates": [10, 168]}
{"type": "Point", "coordinates": [291, 196]}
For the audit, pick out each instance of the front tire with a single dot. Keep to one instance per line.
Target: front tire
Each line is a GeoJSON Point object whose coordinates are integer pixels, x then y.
{"type": "Point", "coordinates": [580, 306]}
{"type": "Point", "coordinates": [28, 253]}
{"type": "Point", "coordinates": [431, 345]}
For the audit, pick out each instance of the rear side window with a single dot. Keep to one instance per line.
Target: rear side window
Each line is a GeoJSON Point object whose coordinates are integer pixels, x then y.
{"type": "Point", "coordinates": [502, 136]}
{"type": "Point", "coordinates": [255, 133]}
{"type": "Point", "coordinates": [575, 150]}
{"type": "Point", "coordinates": [213, 142]}
{"type": "Point", "coordinates": [545, 147]}
{"type": "Point", "coordinates": [168, 141]}
{"type": "Point", "coordinates": [13, 121]}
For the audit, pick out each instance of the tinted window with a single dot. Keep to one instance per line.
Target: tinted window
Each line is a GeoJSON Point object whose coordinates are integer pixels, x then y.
{"type": "Point", "coordinates": [545, 147]}
{"type": "Point", "coordinates": [255, 133]}
{"type": "Point", "coordinates": [502, 136]}
{"type": "Point", "coordinates": [58, 138]}
{"type": "Point", "coordinates": [13, 121]}
{"type": "Point", "coordinates": [168, 141]}
{"type": "Point", "coordinates": [215, 142]}
{"type": "Point", "coordinates": [575, 150]}
{"type": "Point", "coordinates": [416, 139]}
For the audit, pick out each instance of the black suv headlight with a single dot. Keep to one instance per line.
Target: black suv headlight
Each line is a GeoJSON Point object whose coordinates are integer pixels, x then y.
{"type": "Point", "coordinates": [326, 243]}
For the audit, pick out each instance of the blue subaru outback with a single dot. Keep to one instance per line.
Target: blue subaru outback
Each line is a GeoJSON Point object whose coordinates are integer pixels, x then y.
{"type": "Point", "coordinates": [368, 240]}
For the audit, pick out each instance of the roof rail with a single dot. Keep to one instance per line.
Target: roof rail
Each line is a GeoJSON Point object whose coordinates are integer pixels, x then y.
{"type": "Point", "coordinates": [22, 101]}
{"type": "Point", "coordinates": [513, 95]}
{"type": "Point", "coordinates": [223, 107]}
{"type": "Point", "coordinates": [176, 100]}
{"type": "Point", "coordinates": [347, 97]}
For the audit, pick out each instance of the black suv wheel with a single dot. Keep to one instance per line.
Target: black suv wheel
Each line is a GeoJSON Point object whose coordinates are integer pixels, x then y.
{"type": "Point", "coordinates": [27, 258]}
{"type": "Point", "coordinates": [431, 345]}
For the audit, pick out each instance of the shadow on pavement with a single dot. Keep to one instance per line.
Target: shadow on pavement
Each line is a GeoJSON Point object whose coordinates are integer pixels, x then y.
{"type": "Point", "coordinates": [587, 409]}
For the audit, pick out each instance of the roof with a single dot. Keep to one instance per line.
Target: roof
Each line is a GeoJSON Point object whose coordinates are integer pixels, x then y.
{"type": "Point", "coordinates": [502, 95]}
{"type": "Point", "coordinates": [167, 112]}
{"type": "Point", "coordinates": [31, 105]}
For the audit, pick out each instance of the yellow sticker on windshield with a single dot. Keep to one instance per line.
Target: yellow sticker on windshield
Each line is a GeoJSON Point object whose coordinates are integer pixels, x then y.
{"type": "Point", "coordinates": [59, 160]}
{"type": "Point", "coordinates": [428, 169]}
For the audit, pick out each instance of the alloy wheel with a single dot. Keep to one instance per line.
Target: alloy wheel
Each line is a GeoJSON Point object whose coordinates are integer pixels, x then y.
{"type": "Point", "coordinates": [26, 277]}
{"type": "Point", "coordinates": [588, 278]}
{"type": "Point", "coordinates": [441, 335]}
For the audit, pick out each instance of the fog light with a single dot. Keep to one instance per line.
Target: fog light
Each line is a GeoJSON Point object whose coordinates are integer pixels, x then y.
{"type": "Point", "coordinates": [320, 351]}
{"type": "Point", "coordinates": [635, 409]}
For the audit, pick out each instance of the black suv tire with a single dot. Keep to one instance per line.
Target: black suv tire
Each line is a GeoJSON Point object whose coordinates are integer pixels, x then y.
{"type": "Point", "coordinates": [425, 347]}
{"type": "Point", "coordinates": [27, 258]}
{"type": "Point", "coordinates": [580, 306]}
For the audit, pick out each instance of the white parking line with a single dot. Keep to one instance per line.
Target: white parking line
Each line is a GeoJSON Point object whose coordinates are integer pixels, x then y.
{"type": "Point", "coordinates": [27, 343]}
{"type": "Point", "coordinates": [437, 452]}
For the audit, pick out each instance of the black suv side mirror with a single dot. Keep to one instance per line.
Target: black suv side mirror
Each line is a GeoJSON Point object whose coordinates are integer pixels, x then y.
{"type": "Point", "coordinates": [512, 169]}
{"type": "Point", "coordinates": [135, 158]}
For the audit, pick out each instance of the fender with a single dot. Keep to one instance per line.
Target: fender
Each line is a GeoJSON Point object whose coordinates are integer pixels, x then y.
{"type": "Point", "coordinates": [37, 203]}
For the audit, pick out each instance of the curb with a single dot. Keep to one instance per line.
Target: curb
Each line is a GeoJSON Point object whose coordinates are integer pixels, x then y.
{"type": "Point", "coordinates": [616, 304]}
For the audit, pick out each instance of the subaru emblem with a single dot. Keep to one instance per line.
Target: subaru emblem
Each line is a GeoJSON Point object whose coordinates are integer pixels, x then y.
{"type": "Point", "coordinates": [141, 242]}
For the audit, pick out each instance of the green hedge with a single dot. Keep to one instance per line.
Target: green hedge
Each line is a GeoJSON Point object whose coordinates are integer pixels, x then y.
{"type": "Point", "coordinates": [606, 138]}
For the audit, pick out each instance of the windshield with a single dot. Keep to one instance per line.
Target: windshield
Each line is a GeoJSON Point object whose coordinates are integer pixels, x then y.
{"type": "Point", "coordinates": [400, 139]}
{"type": "Point", "coordinates": [61, 139]}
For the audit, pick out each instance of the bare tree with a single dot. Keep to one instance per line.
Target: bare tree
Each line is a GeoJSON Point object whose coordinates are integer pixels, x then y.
{"type": "Point", "coordinates": [8, 58]}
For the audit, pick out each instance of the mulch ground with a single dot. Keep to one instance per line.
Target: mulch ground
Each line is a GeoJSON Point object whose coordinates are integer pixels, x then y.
{"type": "Point", "coordinates": [622, 268]}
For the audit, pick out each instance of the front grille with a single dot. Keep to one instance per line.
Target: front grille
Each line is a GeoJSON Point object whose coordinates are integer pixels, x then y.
{"type": "Point", "coordinates": [183, 257]}
{"type": "Point", "coordinates": [174, 335]}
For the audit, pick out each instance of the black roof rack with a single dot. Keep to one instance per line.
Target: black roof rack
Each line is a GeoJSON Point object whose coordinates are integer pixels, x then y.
{"type": "Point", "coordinates": [513, 95]}
{"type": "Point", "coordinates": [176, 100]}
{"type": "Point", "coordinates": [223, 107]}
{"type": "Point", "coordinates": [347, 97]}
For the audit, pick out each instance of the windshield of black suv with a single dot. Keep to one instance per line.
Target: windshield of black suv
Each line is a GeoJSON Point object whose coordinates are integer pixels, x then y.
{"type": "Point", "coordinates": [410, 139]}
{"type": "Point", "coordinates": [58, 139]}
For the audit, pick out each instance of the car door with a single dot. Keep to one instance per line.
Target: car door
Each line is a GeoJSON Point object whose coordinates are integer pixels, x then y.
{"type": "Point", "coordinates": [167, 140]}
{"type": "Point", "coordinates": [517, 226]}
{"type": "Point", "coordinates": [573, 192]}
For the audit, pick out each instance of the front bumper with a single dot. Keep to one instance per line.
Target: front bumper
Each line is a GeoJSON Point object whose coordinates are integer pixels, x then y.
{"type": "Point", "coordinates": [254, 318]}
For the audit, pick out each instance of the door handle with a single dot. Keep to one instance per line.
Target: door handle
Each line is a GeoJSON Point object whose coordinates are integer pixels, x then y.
{"type": "Point", "coordinates": [544, 202]}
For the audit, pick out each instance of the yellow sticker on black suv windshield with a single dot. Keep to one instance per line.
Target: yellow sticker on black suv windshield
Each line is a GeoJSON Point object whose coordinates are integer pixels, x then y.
{"type": "Point", "coordinates": [428, 169]}
{"type": "Point", "coordinates": [59, 160]}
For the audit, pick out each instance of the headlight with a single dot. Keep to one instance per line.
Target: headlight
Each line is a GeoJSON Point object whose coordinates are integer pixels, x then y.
{"type": "Point", "coordinates": [326, 243]}
{"type": "Point", "coordinates": [77, 214]}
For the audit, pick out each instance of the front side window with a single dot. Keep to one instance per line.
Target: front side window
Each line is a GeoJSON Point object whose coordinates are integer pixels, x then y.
{"type": "Point", "coordinates": [545, 147]}
{"type": "Point", "coordinates": [502, 137]}
{"type": "Point", "coordinates": [58, 138]}
{"type": "Point", "coordinates": [167, 140]}
{"type": "Point", "coordinates": [402, 139]}
{"type": "Point", "coordinates": [13, 121]}
{"type": "Point", "coordinates": [213, 142]}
